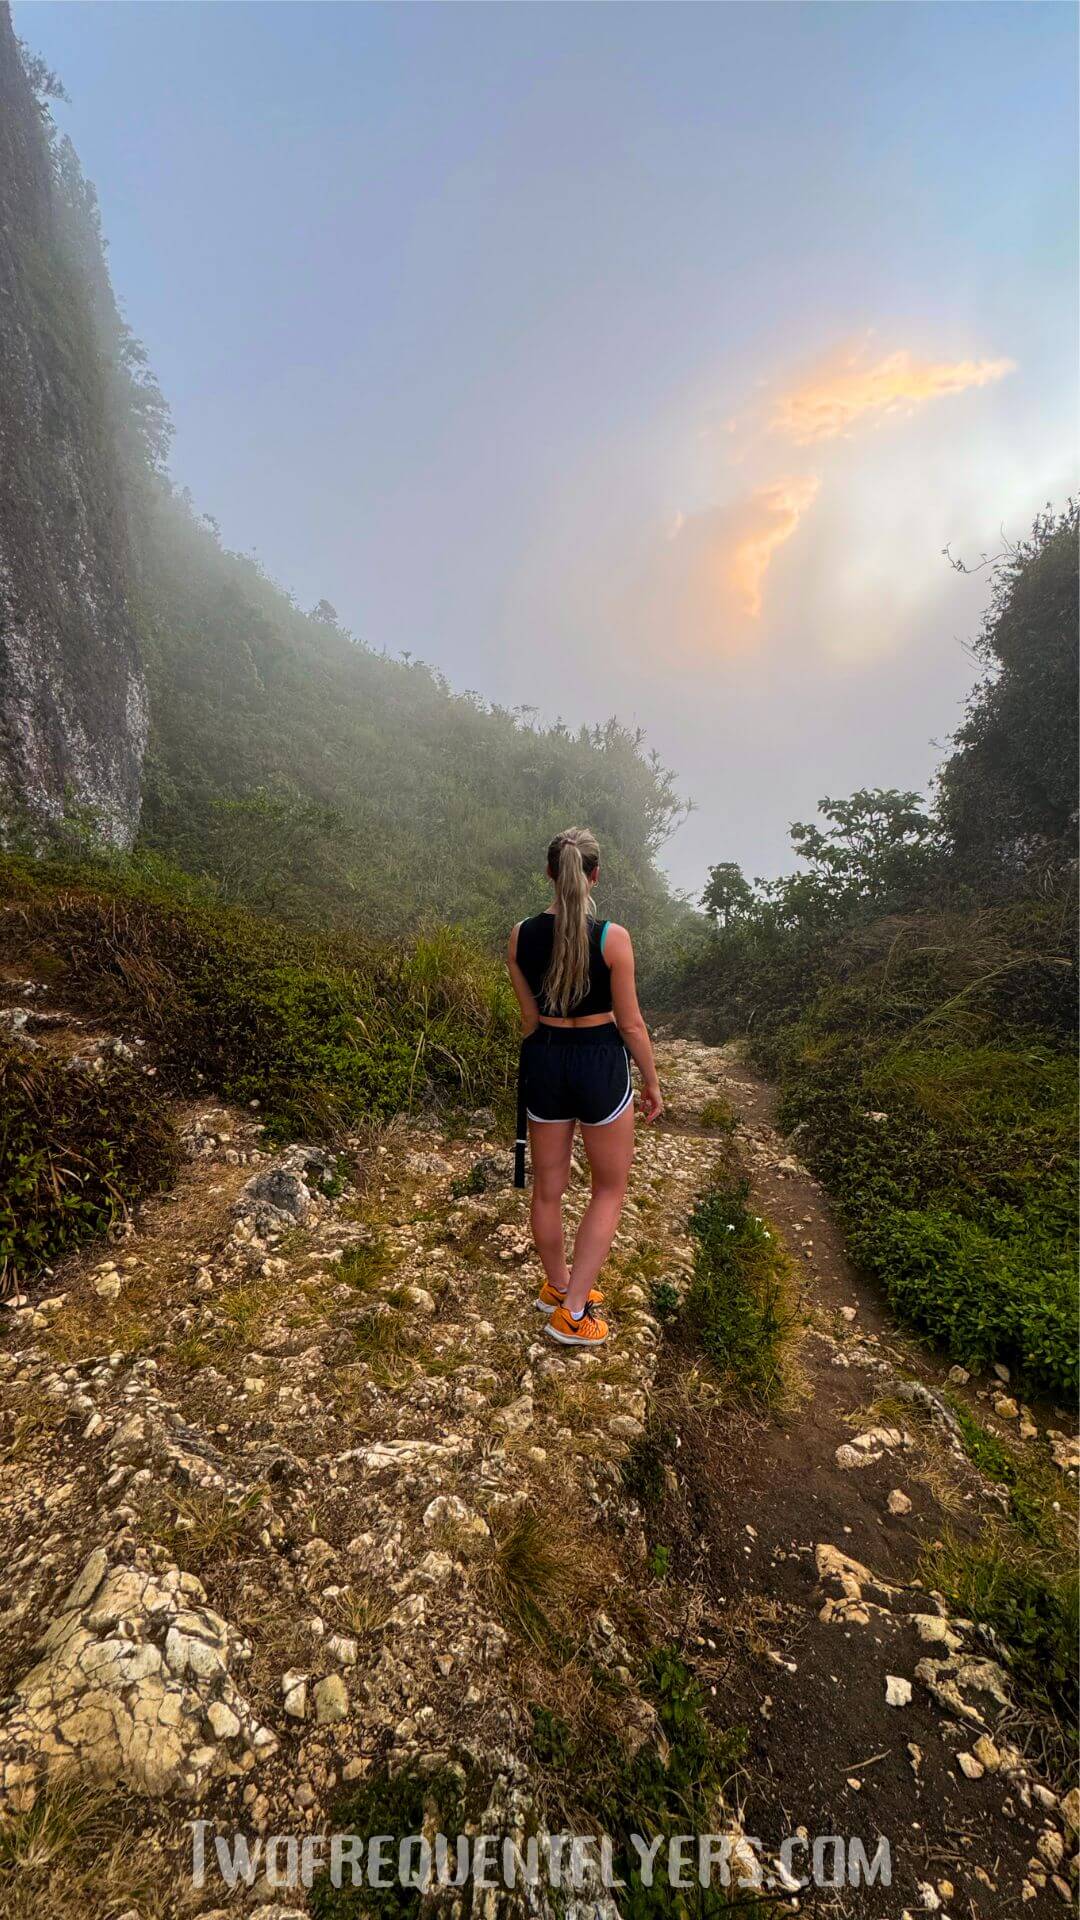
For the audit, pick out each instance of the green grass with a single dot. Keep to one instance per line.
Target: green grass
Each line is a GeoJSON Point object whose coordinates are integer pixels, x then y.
{"type": "Point", "coordinates": [76, 1150]}
{"type": "Point", "coordinates": [736, 1308]}
{"type": "Point", "coordinates": [962, 1199]}
{"type": "Point", "coordinates": [362, 1266]}
{"type": "Point", "coordinates": [597, 1786]}
{"type": "Point", "coordinates": [409, 1801]}
{"type": "Point", "coordinates": [1032, 1602]}
{"type": "Point", "coordinates": [591, 1784]}
{"type": "Point", "coordinates": [665, 1301]}
{"type": "Point", "coordinates": [322, 1030]}
{"type": "Point", "coordinates": [1039, 1504]}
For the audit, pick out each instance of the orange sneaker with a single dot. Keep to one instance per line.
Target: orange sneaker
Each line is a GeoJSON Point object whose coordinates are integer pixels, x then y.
{"type": "Point", "coordinates": [549, 1298]}
{"type": "Point", "coordinates": [586, 1332]}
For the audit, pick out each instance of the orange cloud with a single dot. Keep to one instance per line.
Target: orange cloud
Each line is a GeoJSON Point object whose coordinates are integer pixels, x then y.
{"type": "Point", "coordinates": [711, 581]}
{"type": "Point", "coordinates": [773, 514]}
{"type": "Point", "coordinates": [846, 388]}
{"type": "Point", "coordinates": [703, 585]}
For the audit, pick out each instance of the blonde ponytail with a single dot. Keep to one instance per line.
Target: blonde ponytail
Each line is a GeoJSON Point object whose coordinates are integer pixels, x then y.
{"type": "Point", "coordinates": [573, 858]}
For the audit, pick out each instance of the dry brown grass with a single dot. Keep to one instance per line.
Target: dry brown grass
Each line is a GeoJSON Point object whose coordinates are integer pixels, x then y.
{"type": "Point", "coordinates": [543, 1579]}
{"type": "Point", "coordinates": [362, 1609]}
{"type": "Point", "coordinates": [82, 1853]}
{"type": "Point", "coordinates": [32, 1422]}
{"type": "Point", "coordinates": [201, 1531]}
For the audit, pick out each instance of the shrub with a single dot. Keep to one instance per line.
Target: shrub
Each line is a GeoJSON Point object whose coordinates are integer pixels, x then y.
{"type": "Point", "coordinates": [952, 1155]}
{"type": "Point", "coordinates": [665, 1301]}
{"type": "Point", "coordinates": [397, 1804]}
{"type": "Point", "coordinates": [76, 1148]}
{"type": "Point", "coordinates": [984, 1296]}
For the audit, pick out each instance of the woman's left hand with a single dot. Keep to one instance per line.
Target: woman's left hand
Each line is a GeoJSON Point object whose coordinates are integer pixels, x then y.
{"type": "Point", "coordinates": [652, 1102]}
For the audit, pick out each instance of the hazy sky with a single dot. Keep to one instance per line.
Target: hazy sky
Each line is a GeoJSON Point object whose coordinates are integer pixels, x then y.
{"type": "Point", "coordinates": [615, 358]}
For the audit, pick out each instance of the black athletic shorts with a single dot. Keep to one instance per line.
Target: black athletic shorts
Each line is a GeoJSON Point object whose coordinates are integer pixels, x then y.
{"type": "Point", "coordinates": [576, 1073]}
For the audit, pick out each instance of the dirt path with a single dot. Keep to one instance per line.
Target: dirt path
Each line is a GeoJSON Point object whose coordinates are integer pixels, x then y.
{"type": "Point", "coordinates": [280, 1484]}
{"type": "Point", "coordinates": [765, 1517]}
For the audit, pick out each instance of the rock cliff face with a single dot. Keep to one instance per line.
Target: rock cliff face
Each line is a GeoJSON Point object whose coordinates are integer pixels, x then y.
{"type": "Point", "coordinates": [73, 703]}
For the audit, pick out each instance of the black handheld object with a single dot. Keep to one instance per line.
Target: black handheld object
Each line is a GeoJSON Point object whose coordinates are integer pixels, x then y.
{"type": "Point", "coordinates": [519, 1143]}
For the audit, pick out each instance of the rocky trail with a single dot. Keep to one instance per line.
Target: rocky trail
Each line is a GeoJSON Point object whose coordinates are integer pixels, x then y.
{"type": "Point", "coordinates": [277, 1465]}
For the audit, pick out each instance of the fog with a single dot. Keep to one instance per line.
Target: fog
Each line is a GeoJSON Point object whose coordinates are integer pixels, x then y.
{"type": "Point", "coordinates": [635, 360]}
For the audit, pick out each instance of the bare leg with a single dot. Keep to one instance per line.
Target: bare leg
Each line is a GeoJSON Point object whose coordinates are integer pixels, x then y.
{"type": "Point", "coordinates": [550, 1147]}
{"type": "Point", "coordinates": [610, 1150]}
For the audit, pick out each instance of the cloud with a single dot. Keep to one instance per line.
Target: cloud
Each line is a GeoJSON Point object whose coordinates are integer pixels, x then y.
{"type": "Point", "coordinates": [701, 586]}
{"type": "Point", "coordinates": [728, 550]}
{"type": "Point", "coordinates": [772, 514]}
{"type": "Point", "coordinates": [707, 583]}
{"type": "Point", "coordinates": [847, 388]}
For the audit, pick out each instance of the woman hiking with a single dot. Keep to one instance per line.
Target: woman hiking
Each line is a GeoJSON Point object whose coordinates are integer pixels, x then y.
{"type": "Point", "coordinates": [574, 979]}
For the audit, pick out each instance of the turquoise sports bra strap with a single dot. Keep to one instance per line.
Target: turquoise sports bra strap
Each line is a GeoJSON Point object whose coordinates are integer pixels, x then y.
{"type": "Point", "coordinates": [603, 934]}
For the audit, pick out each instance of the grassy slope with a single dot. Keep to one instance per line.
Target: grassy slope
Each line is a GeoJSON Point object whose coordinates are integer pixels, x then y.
{"type": "Point", "coordinates": [322, 1031]}
{"type": "Point", "coordinates": [933, 1088]}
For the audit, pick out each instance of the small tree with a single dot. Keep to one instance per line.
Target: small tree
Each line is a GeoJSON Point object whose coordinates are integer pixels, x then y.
{"type": "Point", "coordinates": [728, 894]}
{"type": "Point", "coordinates": [1009, 790]}
{"type": "Point", "coordinates": [877, 848]}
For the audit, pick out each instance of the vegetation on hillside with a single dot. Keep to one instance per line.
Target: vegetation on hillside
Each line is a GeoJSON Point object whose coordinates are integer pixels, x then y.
{"type": "Point", "coordinates": [75, 1148]}
{"type": "Point", "coordinates": [310, 776]}
{"type": "Point", "coordinates": [301, 771]}
{"type": "Point", "coordinates": [913, 988]}
{"type": "Point", "coordinates": [320, 1031]}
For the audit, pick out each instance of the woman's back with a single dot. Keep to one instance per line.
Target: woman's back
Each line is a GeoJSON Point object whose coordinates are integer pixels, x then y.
{"type": "Point", "coordinates": [535, 943]}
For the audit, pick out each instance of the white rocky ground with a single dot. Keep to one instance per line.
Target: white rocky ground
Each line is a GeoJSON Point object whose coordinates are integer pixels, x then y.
{"type": "Point", "coordinates": [261, 1454]}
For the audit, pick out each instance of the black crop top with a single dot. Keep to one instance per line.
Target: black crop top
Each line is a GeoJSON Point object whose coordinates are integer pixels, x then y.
{"type": "Point", "coordinates": [534, 943]}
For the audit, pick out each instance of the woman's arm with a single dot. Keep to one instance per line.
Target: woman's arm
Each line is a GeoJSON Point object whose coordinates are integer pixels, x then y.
{"type": "Point", "coordinates": [619, 954]}
{"type": "Point", "coordinates": [530, 1019]}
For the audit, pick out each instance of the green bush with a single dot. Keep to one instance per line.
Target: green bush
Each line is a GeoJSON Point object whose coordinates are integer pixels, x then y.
{"type": "Point", "coordinates": [984, 1296]}
{"type": "Point", "coordinates": [396, 1804]}
{"type": "Point", "coordinates": [76, 1148]}
{"type": "Point", "coordinates": [736, 1307]}
{"type": "Point", "coordinates": [659, 1790]}
{"type": "Point", "coordinates": [948, 1138]}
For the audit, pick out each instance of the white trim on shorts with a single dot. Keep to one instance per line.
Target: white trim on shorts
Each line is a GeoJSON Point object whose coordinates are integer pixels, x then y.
{"type": "Point", "coordinates": [622, 1106]}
